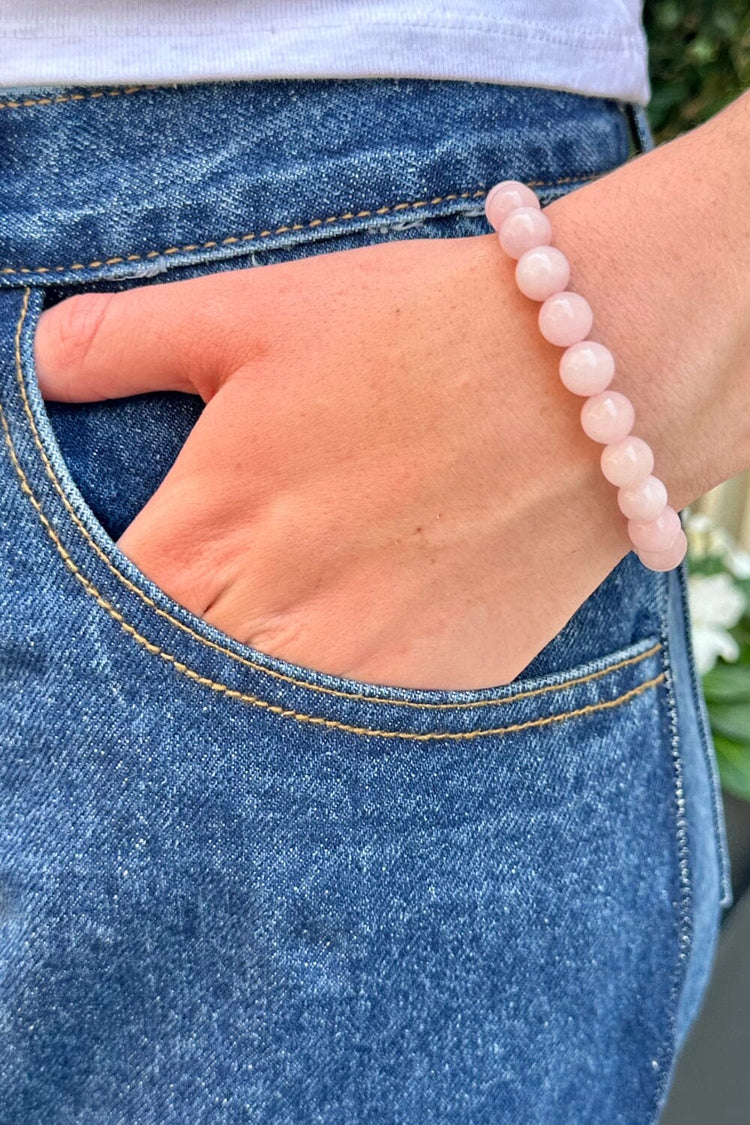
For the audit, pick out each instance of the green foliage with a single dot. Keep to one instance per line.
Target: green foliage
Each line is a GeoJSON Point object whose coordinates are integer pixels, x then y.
{"type": "Point", "coordinates": [730, 725]}
{"type": "Point", "coordinates": [699, 60]}
{"type": "Point", "coordinates": [727, 685]}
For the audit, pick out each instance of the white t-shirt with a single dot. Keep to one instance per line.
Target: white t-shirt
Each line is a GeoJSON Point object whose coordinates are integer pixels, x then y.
{"type": "Point", "coordinates": [594, 47]}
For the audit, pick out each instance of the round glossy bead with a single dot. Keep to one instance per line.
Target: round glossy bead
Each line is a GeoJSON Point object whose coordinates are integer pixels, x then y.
{"type": "Point", "coordinates": [524, 228]}
{"type": "Point", "coordinates": [655, 535]}
{"type": "Point", "coordinates": [607, 417]}
{"type": "Point", "coordinates": [666, 560]}
{"type": "Point", "coordinates": [643, 501]}
{"type": "Point", "coordinates": [565, 319]}
{"type": "Point", "coordinates": [506, 197]}
{"type": "Point", "coordinates": [587, 368]}
{"type": "Point", "coordinates": [541, 272]}
{"type": "Point", "coordinates": [627, 461]}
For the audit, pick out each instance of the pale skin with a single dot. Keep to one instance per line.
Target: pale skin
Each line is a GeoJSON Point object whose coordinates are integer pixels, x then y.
{"type": "Point", "coordinates": [389, 482]}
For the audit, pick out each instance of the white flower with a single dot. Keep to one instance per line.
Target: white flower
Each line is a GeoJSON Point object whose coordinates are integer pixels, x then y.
{"type": "Point", "coordinates": [705, 537]}
{"type": "Point", "coordinates": [698, 521]}
{"type": "Point", "coordinates": [738, 561]}
{"type": "Point", "coordinates": [716, 605]}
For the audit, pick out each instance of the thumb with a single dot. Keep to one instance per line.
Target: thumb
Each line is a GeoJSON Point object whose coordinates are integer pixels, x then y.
{"type": "Point", "coordinates": [180, 336]}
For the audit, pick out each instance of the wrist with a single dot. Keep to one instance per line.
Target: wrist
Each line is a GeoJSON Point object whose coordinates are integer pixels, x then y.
{"type": "Point", "coordinates": [658, 253]}
{"type": "Point", "coordinates": [553, 468]}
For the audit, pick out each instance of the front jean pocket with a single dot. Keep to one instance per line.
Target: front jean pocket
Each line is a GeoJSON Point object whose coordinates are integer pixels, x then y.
{"type": "Point", "coordinates": [105, 460]}
{"type": "Point", "coordinates": [48, 473]}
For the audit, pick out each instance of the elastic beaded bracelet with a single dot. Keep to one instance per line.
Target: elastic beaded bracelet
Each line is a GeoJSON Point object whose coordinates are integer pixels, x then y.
{"type": "Point", "coordinates": [587, 368]}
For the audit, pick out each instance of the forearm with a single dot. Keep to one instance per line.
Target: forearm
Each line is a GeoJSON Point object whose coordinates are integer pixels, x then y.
{"type": "Point", "coordinates": [661, 248]}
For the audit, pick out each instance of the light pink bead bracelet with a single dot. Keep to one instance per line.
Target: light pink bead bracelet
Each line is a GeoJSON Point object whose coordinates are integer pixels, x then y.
{"type": "Point", "coordinates": [587, 368]}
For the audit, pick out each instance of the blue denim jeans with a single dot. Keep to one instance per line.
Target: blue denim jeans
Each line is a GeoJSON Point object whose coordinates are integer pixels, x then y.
{"type": "Point", "coordinates": [243, 892]}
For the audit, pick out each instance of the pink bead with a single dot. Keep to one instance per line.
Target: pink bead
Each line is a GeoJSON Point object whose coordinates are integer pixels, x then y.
{"type": "Point", "coordinates": [565, 319]}
{"type": "Point", "coordinates": [504, 198]}
{"type": "Point", "coordinates": [607, 417]}
{"type": "Point", "coordinates": [627, 462]}
{"type": "Point", "coordinates": [587, 368]}
{"type": "Point", "coordinates": [541, 272]}
{"type": "Point", "coordinates": [666, 560]}
{"type": "Point", "coordinates": [655, 535]}
{"type": "Point", "coordinates": [524, 228]}
{"type": "Point", "coordinates": [643, 501]}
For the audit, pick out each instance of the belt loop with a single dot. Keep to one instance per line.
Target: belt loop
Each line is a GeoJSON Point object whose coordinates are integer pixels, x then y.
{"type": "Point", "coordinates": [640, 128]}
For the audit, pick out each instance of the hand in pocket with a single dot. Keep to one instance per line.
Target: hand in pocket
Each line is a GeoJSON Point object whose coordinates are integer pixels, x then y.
{"type": "Point", "coordinates": [387, 482]}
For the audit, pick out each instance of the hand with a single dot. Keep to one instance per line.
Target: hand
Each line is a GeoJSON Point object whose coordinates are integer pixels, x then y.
{"type": "Point", "coordinates": [387, 481]}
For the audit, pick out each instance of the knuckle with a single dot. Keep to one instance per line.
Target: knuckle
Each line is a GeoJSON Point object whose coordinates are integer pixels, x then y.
{"type": "Point", "coordinates": [282, 636]}
{"type": "Point", "coordinates": [72, 328]}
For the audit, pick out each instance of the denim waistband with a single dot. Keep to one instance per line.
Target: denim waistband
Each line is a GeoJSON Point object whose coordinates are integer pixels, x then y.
{"type": "Point", "coordinates": [129, 182]}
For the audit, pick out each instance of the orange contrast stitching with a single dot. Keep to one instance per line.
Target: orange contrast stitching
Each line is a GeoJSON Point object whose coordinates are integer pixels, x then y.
{"type": "Point", "coordinates": [285, 712]}
{"type": "Point", "coordinates": [102, 263]}
{"type": "Point", "coordinates": [72, 97]}
{"type": "Point", "coordinates": [243, 659]}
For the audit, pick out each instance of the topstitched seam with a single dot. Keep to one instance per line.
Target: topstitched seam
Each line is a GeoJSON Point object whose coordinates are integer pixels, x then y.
{"type": "Point", "coordinates": [285, 712]}
{"type": "Point", "coordinates": [73, 97]}
{"type": "Point", "coordinates": [682, 906]}
{"type": "Point", "coordinates": [102, 263]}
{"type": "Point", "coordinates": [236, 656]}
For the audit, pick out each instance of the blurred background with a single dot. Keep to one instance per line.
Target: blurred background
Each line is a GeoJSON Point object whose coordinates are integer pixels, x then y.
{"type": "Point", "coordinates": [700, 61]}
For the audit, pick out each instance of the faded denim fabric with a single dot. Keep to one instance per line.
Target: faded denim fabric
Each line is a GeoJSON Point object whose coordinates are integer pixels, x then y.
{"type": "Point", "coordinates": [238, 891]}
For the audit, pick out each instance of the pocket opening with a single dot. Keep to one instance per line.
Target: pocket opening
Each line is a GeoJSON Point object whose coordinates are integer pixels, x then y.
{"type": "Point", "coordinates": [90, 535]}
